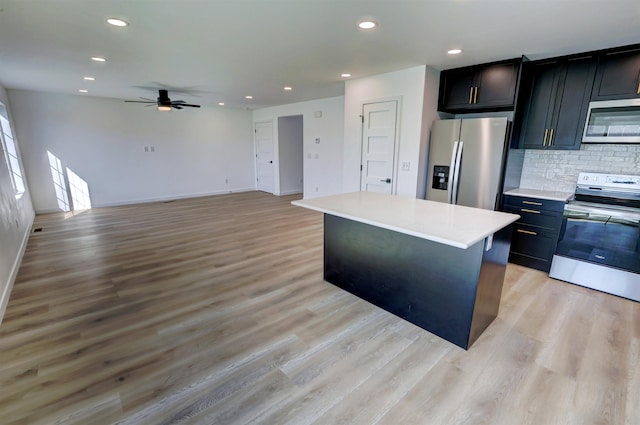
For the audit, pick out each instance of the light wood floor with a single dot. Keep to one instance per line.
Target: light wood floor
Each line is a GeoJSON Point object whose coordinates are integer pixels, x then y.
{"type": "Point", "coordinates": [214, 311]}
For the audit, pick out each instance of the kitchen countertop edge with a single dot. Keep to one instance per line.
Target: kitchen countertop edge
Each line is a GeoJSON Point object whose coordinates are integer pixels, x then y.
{"type": "Point", "coordinates": [552, 195]}
{"type": "Point", "coordinates": [453, 225]}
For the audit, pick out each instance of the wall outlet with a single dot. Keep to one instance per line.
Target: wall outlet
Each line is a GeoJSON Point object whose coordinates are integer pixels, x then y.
{"type": "Point", "coordinates": [146, 148]}
{"type": "Point", "coordinates": [406, 165]}
{"type": "Point", "coordinates": [226, 181]}
{"type": "Point", "coordinates": [317, 140]}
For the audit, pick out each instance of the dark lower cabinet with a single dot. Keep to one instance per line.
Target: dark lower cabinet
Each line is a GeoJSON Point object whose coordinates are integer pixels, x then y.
{"type": "Point", "coordinates": [535, 235]}
{"type": "Point", "coordinates": [618, 75]}
{"type": "Point", "coordinates": [451, 292]}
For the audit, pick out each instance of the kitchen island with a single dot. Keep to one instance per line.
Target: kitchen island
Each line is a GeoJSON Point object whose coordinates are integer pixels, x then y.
{"type": "Point", "coordinates": [437, 265]}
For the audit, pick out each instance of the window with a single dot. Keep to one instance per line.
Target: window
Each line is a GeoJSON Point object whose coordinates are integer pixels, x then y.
{"type": "Point", "coordinates": [10, 152]}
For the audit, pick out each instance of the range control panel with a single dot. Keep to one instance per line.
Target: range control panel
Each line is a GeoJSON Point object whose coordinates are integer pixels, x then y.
{"type": "Point", "coordinates": [608, 181]}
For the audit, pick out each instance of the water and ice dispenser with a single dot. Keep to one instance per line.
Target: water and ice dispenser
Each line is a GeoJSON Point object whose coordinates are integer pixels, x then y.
{"type": "Point", "coordinates": [440, 177]}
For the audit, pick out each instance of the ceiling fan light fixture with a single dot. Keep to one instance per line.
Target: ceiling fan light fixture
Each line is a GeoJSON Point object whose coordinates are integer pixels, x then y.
{"type": "Point", "coordinates": [164, 108]}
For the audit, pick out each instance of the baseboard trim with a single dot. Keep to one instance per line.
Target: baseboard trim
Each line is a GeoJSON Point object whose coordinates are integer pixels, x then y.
{"type": "Point", "coordinates": [4, 296]}
{"type": "Point", "coordinates": [172, 198]}
{"type": "Point", "coordinates": [159, 199]}
{"type": "Point", "coordinates": [290, 192]}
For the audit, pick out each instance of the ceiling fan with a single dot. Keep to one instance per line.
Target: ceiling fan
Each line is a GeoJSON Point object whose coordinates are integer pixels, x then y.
{"type": "Point", "coordinates": [163, 102]}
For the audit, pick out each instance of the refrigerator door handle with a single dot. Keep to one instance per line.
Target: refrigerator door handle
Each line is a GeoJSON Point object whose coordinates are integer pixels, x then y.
{"type": "Point", "coordinates": [456, 174]}
{"type": "Point", "coordinates": [450, 184]}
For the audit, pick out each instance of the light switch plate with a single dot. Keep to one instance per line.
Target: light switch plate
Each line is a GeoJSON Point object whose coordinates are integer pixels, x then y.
{"type": "Point", "coordinates": [406, 165]}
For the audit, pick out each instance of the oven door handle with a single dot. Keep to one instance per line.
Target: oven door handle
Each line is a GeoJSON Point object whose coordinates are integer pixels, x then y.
{"type": "Point", "coordinates": [587, 212]}
{"type": "Point", "coordinates": [576, 215]}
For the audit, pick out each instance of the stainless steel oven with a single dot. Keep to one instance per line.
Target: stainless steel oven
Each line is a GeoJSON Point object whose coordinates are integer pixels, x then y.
{"type": "Point", "coordinates": [599, 244]}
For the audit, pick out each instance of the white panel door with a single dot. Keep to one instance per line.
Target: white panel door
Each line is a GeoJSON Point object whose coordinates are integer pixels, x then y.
{"type": "Point", "coordinates": [378, 146]}
{"type": "Point", "coordinates": [264, 155]}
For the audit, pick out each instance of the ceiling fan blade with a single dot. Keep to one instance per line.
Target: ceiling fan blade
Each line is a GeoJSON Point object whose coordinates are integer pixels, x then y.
{"type": "Point", "coordinates": [187, 104]}
{"type": "Point", "coordinates": [146, 98]}
{"type": "Point", "coordinates": [176, 106]}
{"type": "Point", "coordinates": [178, 101]}
{"type": "Point", "coordinates": [140, 101]}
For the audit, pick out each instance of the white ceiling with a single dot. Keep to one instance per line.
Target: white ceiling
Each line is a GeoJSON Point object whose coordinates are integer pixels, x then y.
{"type": "Point", "coordinates": [222, 50]}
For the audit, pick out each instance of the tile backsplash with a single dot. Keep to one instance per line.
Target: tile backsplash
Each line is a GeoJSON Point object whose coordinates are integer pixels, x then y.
{"type": "Point", "coordinates": [558, 170]}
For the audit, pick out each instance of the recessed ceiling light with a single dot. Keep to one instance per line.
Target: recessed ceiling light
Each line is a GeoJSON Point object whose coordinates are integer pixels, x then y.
{"type": "Point", "coordinates": [221, 103]}
{"type": "Point", "coordinates": [98, 59]}
{"type": "Point", "coordinates": [90, 78]}
{"type": "Point", "coordinates": [83, 91]}
{"type": "Point", "coordinates": [287, 88]}
{"type": "Point", "coordinates": [117, 22]}
{"type": "Point", "coordinates": [345, 75]}
{"type": "Point", "coordinates": [454, 51]}
{"type": "Point", "coordinates": [248, 97]}
{"type": "Point", "coordinates": [367, 25]}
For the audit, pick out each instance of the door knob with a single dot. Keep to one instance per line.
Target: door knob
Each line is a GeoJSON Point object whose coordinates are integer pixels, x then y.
{"type": "Point", "coordinates": [386, 180]}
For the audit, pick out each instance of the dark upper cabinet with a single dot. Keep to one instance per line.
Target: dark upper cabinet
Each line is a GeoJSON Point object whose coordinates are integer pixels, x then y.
{"type": "Point", "coordinates": [618, 75]}
{"type": "Point", "coordinates": [489, 87]}
{"type": "Point", "coordinates": [539, 104]}
{"type": "Point", "coordinates": [556, 103]}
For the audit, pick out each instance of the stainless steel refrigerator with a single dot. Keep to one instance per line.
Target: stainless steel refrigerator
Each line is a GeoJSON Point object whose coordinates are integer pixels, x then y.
{"type": "Point", "coordinates": [466, 161]}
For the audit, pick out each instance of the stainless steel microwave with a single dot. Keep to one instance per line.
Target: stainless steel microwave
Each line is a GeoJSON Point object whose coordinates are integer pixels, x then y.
{"type": "Point", "coordinates": [613, 121]}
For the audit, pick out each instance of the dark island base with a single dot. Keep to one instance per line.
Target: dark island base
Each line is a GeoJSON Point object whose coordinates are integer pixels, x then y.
{"type": "Point", "coordinates": [451, 292]}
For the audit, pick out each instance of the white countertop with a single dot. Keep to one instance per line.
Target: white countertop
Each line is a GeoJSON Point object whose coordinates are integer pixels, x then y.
{"type": "Point", "coordinates": [449, 224]}
{"type": "Point", "coordinates": [552, 195]}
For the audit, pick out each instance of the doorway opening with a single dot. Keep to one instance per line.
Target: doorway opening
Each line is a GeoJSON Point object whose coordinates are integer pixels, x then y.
{"type": "Point", "coordinates": [290, 155]}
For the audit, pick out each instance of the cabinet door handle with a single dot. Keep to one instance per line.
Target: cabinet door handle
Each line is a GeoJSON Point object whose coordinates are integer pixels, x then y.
{"type": "Point", "coordinates": [529, 211]}
{"type": "Point", "coordinates": [475, 96]}
{"type": "Point", "coordinates": [544, 141]}
{"type": "Point", "coordinates": [531, 203]}
{"type": "Point", "coordinates": [527, 232]}
{"type": "Point", "coordinates": [551, 137]}
{"type": "Point", "coordinates": [470, 95]}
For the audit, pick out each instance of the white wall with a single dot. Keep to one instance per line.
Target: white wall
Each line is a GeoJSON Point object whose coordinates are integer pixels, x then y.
{"type": "Point", "coordinates": [429, 114]}
{"type": "Point", "coordinates": [409, 86]}
{"type": "Point", "coordinates": [16, 218]}
{"type": "Point", "coordinates": [323, 160]}
{"type": "Point", "coordinates": [290, 142]}
{"type": "Point", "coordinates": [103, 141]}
